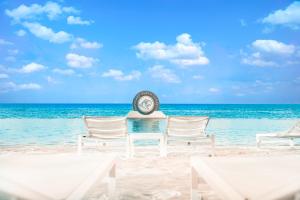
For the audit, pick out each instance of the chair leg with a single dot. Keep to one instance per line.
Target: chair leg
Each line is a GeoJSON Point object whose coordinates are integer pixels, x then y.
{"type": "Point", "coordinates": [132, 149]}
{"type": "Point", "coordinates": [194, 185]}
{"type": "Point", "coordinates": [112, 183]}
{"type": "Point", "coordinates": [79, 145]}
{"type": "Point", "coordinates": [258, 141]}
{"type": "Point", "coordinates": [213, 144]}
{"type": "Point", "coordinates": [166, 145]}
{"type": "Point", "coordinates": [128, 147]}
{"type": "Point", "coordinates": [291, 143]}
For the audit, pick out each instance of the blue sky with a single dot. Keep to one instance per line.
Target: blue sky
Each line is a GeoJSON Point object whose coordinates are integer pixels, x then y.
{"type": "Point", "coordinates": [186, 51]}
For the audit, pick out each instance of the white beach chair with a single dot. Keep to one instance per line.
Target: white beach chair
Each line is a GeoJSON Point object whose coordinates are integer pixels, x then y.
{"type": "Point", "coordinates": [252, 178]}
{"type": "Point", "coordinates": [56, 176]}
{"type": "Point", "coordinates": [290, 135]}
{"type": "Point", "coordinates": [105, 130]}
{"type": "Point", "coordinates": [188, 130]}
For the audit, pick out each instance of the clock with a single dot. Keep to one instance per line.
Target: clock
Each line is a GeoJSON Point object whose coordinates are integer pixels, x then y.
{"type": "Point", "coordinates": [145, 102]}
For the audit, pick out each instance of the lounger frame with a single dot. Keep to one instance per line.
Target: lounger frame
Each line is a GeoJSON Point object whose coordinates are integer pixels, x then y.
{"type": "Point", "coordinates": [188, 130]}
{"type": "Point", "coordinates": [105, 130]}
{"type": "Point", "coordinates": [288, 136]}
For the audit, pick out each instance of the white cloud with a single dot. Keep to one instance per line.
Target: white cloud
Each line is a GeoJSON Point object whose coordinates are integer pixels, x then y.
{"type": "Point", "coordinates": [82, 43]}
{"type": "Point", "coordinates": [257, 60]}
{"type": "Point", "coordinates": [46, 33]}
{"type": "Point", "coordinates": [10, 58]}
{"type": "Point", "coordinates": [51, 9]}
{"type": "Point", "coordinates": [21, 33]}
{"type": "Point", "coordinates": [184, 53]}
{"type": "Point", "coordinates": [214, 90]}
{"type": "Point", "coordinates": [199, 77]}
{"type": "Point", "coordinates": [5, 42]}
{"type": "Point", "coordinates": [120, 76]}
{"type": "Point", "coordinates": [79, 61]}
{"type": "Point", "coordinates": [63, 71]}
{"type": "Point", "coordinates": [288, 17]}
{"type": "Point", "coordinates": [164, 74]}
{"type": "Point", "coordinates": [273, 46]}
{"type": "Point", "coordinates": [3, 76]}
{"type": "Point", "coordinates": [11, 55]}
{"type": "Point", "coordinates": [13, 51]}
{"type": "Point", "coordinates": [32, 67]}
{"type": "Point", "coordinates": [78, 20]}
{"type": "Point", "coordinates": [11, 86]}
{"type": "Point", "coordinates": [297, 80]}
{"type": "Point", "coordinates": [29, 86]}
{"type": "Point", "coordinates": [266, 53]}
{"type": "Point", "coordinates": [51, 80]}
{"type": "Point", "coordinates": [240, 94]}
{"type": "Point", "coordinates": [70, 9]}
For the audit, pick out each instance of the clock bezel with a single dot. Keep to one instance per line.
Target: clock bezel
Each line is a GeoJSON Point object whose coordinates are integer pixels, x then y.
{"type": "Point", "coordinates": [145, 93]}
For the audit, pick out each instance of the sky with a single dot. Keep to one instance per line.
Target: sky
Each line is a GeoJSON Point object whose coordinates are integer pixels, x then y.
{"type": "Point", "coordinates": [185, 51]}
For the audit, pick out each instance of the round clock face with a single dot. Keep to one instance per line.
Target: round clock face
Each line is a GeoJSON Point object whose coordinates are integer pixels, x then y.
{"type": "Point", "coordinates": [145, 102]}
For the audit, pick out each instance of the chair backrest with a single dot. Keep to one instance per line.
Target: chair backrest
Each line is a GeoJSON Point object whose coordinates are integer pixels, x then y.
{"type": "Point", "coordinates": [106, 127]}
{"type": "Point", "coordinates": [187, 126]}
{"type": "Point", "coordinates": [295, 130]}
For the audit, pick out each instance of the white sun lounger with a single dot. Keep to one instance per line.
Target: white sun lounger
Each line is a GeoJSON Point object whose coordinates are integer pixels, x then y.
{"type": "Point", "coordinates": [290, 135]}
{"type": "Point", "coordinates": [251, 178]}
{"type": "Point", "coordinates": [105, 130]}
{"type": "Point", "coordinates": [188, 130]}
{"type": "Point", "coordinates": [54, 177]}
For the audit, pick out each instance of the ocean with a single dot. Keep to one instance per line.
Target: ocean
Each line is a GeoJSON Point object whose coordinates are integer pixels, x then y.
{"type": "Point", "coordinates": [48, 124]}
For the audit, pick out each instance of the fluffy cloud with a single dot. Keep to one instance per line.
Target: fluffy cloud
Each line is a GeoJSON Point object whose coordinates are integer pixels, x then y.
{"type": "Point", "coordinates": [5, 42]}
{"type": "Point", "coordinates": [214, 90]}
{"type": "Point", "coordinates": [32, 67]}
{"type": "Point", "coordinates": [63, 71]}
{"type": "Point", "coordinates": [21, 33]}
{"type": "Point", "coordinates": [198, 77]}
{"type": "Point", "coordinates": [288, 17]}
{"type": "Point", "coordinates": [51, 9]}
{"type": "Point", "coordinates": [82, 43]}
{"type": "Point", "coordinates": [257, 59]}
{"type": "Point", "coordinates": [164, 74]}
{"type": "Point", "coordinates": [78, 21]}
{"type": "Point", "coordinates": [120, 76]}
{"type": "Point", "coordinates": [184, 53]}
{"type": "Point", "coordinates": [28, 86]}
{"type": "Point", "coordinates": [256, 87]}
{"type": "Point", "coordinates": [46, 33]}
{"type": "Point", "coordinates": [11, 86]}
{"type": "Point", "coordinates": [79, 61]}
{"type": "Point", "coordinates": [273, 46]}
{"type": "Point", "coordinates": [3, 76]}
{"type": "Point", "coordinates": [267, 53]}
{"type": "Point", "coordinates": [51, 80]}
{"type": "Point", "coordinates": [13, 51]}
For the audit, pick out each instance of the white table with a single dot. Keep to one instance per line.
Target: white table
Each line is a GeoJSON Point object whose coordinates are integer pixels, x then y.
{"type": "Point", "coordinates": [58, 176]}
{"type": "Point", "coordinates": [149, 136]}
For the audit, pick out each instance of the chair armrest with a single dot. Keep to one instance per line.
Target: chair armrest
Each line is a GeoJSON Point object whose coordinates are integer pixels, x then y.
{"type": "Point", "coordinates": [269, 134]}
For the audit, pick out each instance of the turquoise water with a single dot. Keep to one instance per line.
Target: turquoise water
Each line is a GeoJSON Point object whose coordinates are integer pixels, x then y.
{"type": "Point", "coordinates": [26, 124]}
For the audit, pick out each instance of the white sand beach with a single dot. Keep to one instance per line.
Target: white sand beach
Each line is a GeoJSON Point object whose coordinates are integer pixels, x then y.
{"type": "Point", "coordinates": [150, 177]}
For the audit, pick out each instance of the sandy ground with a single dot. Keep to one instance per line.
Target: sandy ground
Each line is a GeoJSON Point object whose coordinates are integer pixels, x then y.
{"type": "Point", "coordinates": [150, 177]}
